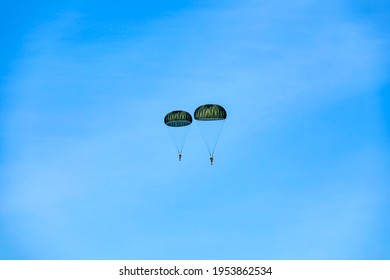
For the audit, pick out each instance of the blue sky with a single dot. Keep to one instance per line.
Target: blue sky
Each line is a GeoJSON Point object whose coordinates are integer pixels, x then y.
{"type": "Point", "coordinates": [89, 171]}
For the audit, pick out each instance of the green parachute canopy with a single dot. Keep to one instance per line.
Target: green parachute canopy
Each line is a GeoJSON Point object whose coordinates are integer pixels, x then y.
{"type": "Point", "coordinates": [178, 119]}
{"type": "Point", "coordinates": [210, 112]}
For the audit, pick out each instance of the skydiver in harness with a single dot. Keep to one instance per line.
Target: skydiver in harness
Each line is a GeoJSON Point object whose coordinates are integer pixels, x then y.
{"type": "Point", "coordinates": [211, 159]}
{"type": "Point", "coordinates": [179, 156]}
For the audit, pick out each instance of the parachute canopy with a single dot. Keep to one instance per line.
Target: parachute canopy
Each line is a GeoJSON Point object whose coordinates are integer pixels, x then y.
{"type": "Point", "coordinates": [178, 119]}
{"type": "Point", "coordinates": [210, 112]}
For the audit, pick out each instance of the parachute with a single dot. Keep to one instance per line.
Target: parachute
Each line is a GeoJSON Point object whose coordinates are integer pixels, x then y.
{"type": "Point", "coordinates": [178, 125]}
{"type": "Point", "coordinates": [210, 119]}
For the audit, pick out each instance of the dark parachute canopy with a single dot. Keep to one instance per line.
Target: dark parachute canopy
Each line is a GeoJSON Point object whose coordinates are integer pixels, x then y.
{"type": "Point", "coordinates": [210, 112]}
{"type": "Point", "coordinates": [178, 125]}
{"type": "Point", "coordinates": [211, 118]}
{"type": "Point", "coordinates": [178, 118]}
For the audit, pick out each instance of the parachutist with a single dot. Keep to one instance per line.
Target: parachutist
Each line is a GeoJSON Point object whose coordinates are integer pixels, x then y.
{"type": "Point", "coordinates": [178, 122]}
{"type": "Point", "coordinates": [210, 119]}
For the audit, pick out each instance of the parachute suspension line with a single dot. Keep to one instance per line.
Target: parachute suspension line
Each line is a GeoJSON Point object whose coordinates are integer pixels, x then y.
{"type": "Point", "coordinates": [218, 135]}
{"type": "Point", "coordinates": [179, 136]}
{"type": "Point", "coordinates": [203, 129]}
{"type": "Point", "coordinates": [185, 132]}
{"type": "Point", "coordinates": [211, 131]}
{"type": "Point", "coordinates": [171, 133]}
